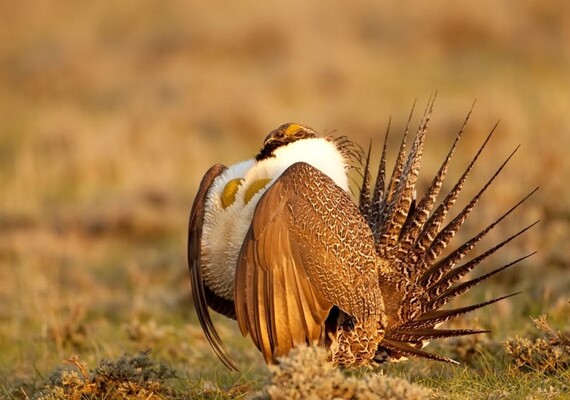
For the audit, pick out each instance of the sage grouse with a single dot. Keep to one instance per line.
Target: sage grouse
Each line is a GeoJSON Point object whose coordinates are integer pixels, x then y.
{"type": "Point", "coordinates": [277, 243]}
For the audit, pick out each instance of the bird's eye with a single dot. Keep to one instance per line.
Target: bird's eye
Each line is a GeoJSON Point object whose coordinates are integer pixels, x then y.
{"type": "Point", "coordinates": [255, 187]}
{"type": "Point", "coordinates": [230, 190]}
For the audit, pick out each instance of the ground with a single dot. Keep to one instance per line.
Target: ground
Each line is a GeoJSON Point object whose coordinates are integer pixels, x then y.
{"type": "Point", "coordinates": [110, 112]}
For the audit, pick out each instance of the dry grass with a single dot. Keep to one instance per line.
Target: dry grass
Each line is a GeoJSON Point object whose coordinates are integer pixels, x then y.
{"type": "Point", "coordinates": [110, 112]}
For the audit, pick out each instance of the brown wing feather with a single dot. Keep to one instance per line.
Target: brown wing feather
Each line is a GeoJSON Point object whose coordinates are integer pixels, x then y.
{"type": "Point", "coordinates": [297, 262]}
{"type": "Point", "coordinates": [201, 294]}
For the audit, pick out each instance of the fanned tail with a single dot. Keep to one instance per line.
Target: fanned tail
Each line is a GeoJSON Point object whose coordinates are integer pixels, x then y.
{"type": "Point", "coordinates": [410, 238]}
{"type": "Point", "coordinates": [419, 216]}
{"type": "Point", "coordinates": [431, 227]}
{"type": "Point", "coordinates": [401, 193]}
{"type": "Point", "coordinates": [386, 211]}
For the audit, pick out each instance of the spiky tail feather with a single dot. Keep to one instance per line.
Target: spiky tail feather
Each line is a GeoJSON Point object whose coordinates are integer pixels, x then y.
{"type": "Point", "coordinates": [411, 238]}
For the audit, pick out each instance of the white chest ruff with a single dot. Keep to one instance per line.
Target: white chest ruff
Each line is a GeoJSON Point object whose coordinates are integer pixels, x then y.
{"type": "Point", "coordinates": [224, 229]}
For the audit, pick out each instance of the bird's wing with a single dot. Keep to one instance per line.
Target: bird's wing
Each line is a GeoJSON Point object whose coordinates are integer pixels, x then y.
{"type": "Point", "coordinates": [201, 294]}
{"type": "Point", "coordinates": [308, 248]}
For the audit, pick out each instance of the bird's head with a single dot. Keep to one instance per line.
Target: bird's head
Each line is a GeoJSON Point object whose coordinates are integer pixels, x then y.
{"type": "Point", "coordinates": [282, 136]}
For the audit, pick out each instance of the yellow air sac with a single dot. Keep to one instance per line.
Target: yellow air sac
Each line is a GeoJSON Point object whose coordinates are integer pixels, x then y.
{"type": "Point", "coordinates": [255, 187]}
{"type": "Point", "coordinates": [230, 190]}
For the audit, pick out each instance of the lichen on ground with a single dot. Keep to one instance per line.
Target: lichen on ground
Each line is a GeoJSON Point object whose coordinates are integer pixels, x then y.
{"type": "Point", "coordinates": [137, 377]}
{"type": "Point", "coordinates": [307, 374]}
{"type": "Point", "coordinates": [548, 353]}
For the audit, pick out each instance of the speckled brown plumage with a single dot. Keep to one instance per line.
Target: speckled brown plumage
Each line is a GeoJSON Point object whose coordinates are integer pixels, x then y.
{"type": "Point", "coordinates": [307, 228]}
{"type": "Point", "coordinates": [365, 279]}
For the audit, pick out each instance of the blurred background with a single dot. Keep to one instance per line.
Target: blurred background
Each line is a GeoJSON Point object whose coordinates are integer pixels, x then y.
{"type": "Point", "coordinates": [110, 113]}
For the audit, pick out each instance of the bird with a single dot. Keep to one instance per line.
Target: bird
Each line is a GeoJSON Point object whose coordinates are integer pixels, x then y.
{"type": "Point", "coordinates": [279, 244]}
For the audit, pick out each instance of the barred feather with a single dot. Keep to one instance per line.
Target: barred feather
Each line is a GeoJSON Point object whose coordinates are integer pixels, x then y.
{"type": "Point", "coordinates": [442, 238]}
{"type": "Point", "coordinates": [365, 196]}
{"type": "Point", "coordinates": [377, 202]}
{"type": "Point", "coordinates": [401, 199]}
{"type": "Point", "coordinates": [436, 317]}
{"type": "Point", "coordinates": [437, 270]}
{"type": "Point", "coordinates": [433, 224]}
{"type": "Point", "coordinates": [446, 296]}
{"type": "Point", "coordinates": [405, 349]}
{"type": "Point", "coordinates": [412, 228]}
{"type": "Point", "coordinates": [430, 334]}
